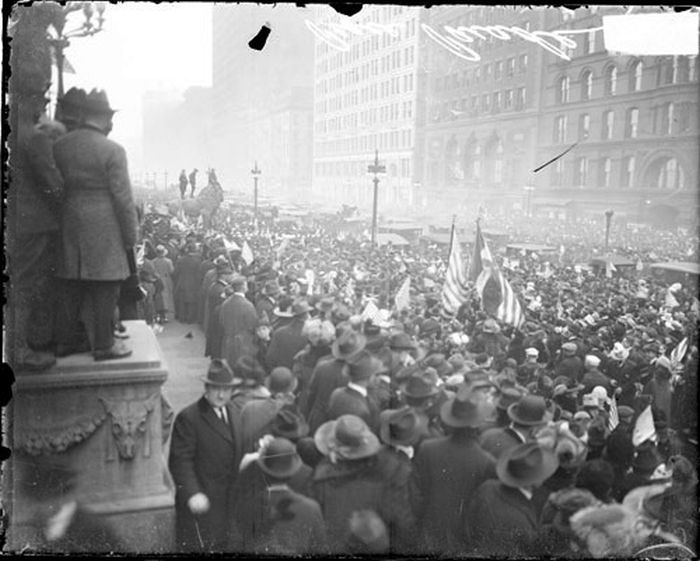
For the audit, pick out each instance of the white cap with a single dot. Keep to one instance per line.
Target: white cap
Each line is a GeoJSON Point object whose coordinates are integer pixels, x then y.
{"type": "Point", "coordinates": [592, 361]}
{"type": "Point", "coordinates": [600, 393]}
{"type": "Point", "coordinates": [532, 351]}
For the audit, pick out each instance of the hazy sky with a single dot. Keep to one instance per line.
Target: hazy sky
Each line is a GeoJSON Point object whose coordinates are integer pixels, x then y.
{"type": "Point", "coordinates": [143, 46]}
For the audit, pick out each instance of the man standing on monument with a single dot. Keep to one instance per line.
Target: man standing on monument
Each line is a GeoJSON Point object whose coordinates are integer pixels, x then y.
{"type": "Point", "coordinates": [205, 452]}
{"type": "Point", "coordinates": [193, 182]}
{"type": "Point", "coordinates": [98, 228]}
{"type": "Point", "coordinates": [183, 184]}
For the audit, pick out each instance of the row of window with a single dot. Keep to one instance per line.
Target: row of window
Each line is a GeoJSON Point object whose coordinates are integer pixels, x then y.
{"type": "Point", "coordinates": [388, 140]}
{"type": "Point", "coordinates": [382, 90]}
{"type": "Point", "coordinates": [501, 69]}
{"type": "Point", "coordinates": [665, 119]}
{"type": "Point", "coordinates": [376, 67]}
{"type": "Point", "coordinates": [496, 102]}
{"type": "Point", "coordinates": [399, 110]}
{"type": "Point", "coordinates": [670, 70]}
{"type": "Point", "coordinates": [668, 176]}
{"type": "Point", "coordinates": [400, 168]}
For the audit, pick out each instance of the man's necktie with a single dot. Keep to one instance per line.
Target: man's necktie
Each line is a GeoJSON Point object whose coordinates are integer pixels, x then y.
{"type": "Point", "coordinates": [221, 412]}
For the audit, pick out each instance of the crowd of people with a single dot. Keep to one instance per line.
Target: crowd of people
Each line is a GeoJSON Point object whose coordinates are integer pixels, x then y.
{"type": "Point", "coordinates": [336, 418]}
{"type": "Point", "coordinates": [357, 427]}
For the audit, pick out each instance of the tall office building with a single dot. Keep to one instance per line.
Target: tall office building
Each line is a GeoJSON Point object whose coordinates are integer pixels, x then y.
{"type": "Point", "coordinates": [366, 98]}
{"type": "Point", "coordinates": [262, 99]}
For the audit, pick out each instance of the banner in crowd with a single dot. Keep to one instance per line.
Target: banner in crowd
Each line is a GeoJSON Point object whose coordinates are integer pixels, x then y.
{"type": "Point", "coordinates": [403, 296]}
{"type": "Point", "coordinates": [247, 253]}
{"type": "Point", "coordinates": [454, 291]}
{"type": "Point", "coordinates": [497, 296]}
{"type": "Point", "coordinates": [644, 427]}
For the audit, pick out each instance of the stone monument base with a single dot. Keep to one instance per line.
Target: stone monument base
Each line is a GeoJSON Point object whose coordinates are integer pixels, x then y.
{"type": "Point", "coordinates": [108, 422]}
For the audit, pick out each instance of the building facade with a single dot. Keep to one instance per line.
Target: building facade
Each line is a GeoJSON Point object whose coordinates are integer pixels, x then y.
{"type": "Point", "coordinates": [635, 119]}
{"type": "Point", "coordinates": [262, 101]}
{"type": "Point", "coordinates": [366, 98]}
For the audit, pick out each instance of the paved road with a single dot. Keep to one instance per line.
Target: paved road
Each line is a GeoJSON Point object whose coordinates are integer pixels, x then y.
{"type": "Point", "coordinates": [186, 363]}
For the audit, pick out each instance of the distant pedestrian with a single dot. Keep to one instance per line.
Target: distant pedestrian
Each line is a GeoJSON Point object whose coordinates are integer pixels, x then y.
{"type": "Point", "coordinates": [183, 184]}
{"type": "Point", "coordinates": [193, 182]}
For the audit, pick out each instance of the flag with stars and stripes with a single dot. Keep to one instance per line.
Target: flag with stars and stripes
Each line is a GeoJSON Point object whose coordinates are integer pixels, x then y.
{"type": "Point", "coordinates": [454, 291]}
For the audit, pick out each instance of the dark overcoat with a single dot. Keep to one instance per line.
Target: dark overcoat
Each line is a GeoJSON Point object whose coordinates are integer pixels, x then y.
{"type": "Point", "coordinates": [239, 322]}
{"type": "Point", "coordinates": [446, 473]}
{"type": "Point", "coordinates": [213, 329]}
{"type": "Point", "coordinates": [348, 401]}
{"type": "Point", "coordinates": [98, 220]}
{"type": "Point", "coordinates": [379, 483]}
{"type": "Point", "coordinates": [285, 344]}
{"type": "Point", "coordinates": [501, 522]}
{"type": "Point", "coordinates": [204, 457]}
{"type": "Point", "coordinates": [187, 280]}
{"type": "Point", "coordinates": [329, 374]}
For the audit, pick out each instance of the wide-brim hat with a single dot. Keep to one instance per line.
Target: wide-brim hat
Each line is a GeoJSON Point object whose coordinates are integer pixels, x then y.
{"type": "Point", "coordinates": [439, 363]}
{"type": "Point", "coordinates": [530, 410]}
{"type": "Point", "coordinates": [402, 427]}
{"type": "Point", "coordinates": [348, 345]}
{"type": "Point", "coordinates": [220, 374]}
{"type": "Point", "coordinates": [96, 102]}
{"type": "Point", "coordinates": [364, 366]}
{"type": "Point", "coordinates": [491, 326]}
{"type": "Point", "coordinates": [348, 437]}
{"type": "Point", "coordinates": [420, 385]}
{"type": "Point", "coordinates": [508, 397]}
{"type": "Point", "coordinates": [289, 424]}
{"type": "Point", "coordinates": [402, 342]}
{"type": "Point", "coordinates": [280, 459]}
{"type": "Point", "coordinates": [325, 304]}
{"type": "Point", "coordinates": [249, 371]}
{"type": "Point", "coordinates": [300, 307]}
{"type": "Point", "coordinates": [468, 408]}
{"type": "Point", "coordinates": [526, 465]}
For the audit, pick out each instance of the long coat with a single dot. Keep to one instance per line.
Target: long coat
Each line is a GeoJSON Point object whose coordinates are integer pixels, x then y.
{"type": "Point", "coordinates": [285, 344]}
{"type": "Point", "coordinates": [501, 522]}
{"type": "Point", "coordinates": [446, 473]}
{"type": "Point", "coordinates": [256, 417]}
{"type": "Point", "coordinates": [204, 457]}
{"type": "Point", "coordinates": [99, 218]}
{"type": "Point", "coordinates": [328, 375]}
{"type": "Point", "coordinates": [303, 368]}
{"type": "Point", "coordinates": [213, 329]}
{"type": "Point", "coordinates": [379, 483]}
{"type": "Point", "coordinates": [165, 269]}
{"type": "Point", "coordinates": [187, 282]}
{"type": "Point", "coordinates": [239, 322]}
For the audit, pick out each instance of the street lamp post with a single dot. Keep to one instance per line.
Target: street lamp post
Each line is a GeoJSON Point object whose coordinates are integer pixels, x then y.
{"type": "Point", "coordinates": [376, 169]}
{"type": "Point", "coordinates": [529, 189]}
{"type": "Point", "coordinates": [62, 39]}
{"type": "Point", "coordinates": [256, 173]}
{"type": "Point", "coordinates": [608, 218]}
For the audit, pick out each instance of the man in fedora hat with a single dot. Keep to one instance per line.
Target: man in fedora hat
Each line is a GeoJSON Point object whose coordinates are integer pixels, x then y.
{"type": "Point", "coordinates": [500, 520]}
{"type": "Point", "coordinates": [99, 227]}
{"type": "Point", "coordinates": [239, 322]}
{"type": "Point", "coordinates": [217, 293]}
{"type": "Point", "coordinates": [70, 108]}
{"type": "Point", "coordinates": [272, 516]}
{"type": "Point", "coordinates": [526, 415]}
{"type": "Point", "coordinates": [448, 470]}
{"type": "Point", "coordinates": [267, 301]}
{"type": "Point", "coordinates": [287, 341]}
{"type": "Point", "coordinates": [401, 430]}
{"type": "Point", "coordinates": [422, 392]}
{"type": "Point", "coordinates": [357, 474]}
{"type": "Point", "coordinates": [357, 398]}
{"type": "Point", "coordinates": [33, 205]}
{"type": "Point", "coordinates": [205, 451]}
{"type": "Point", "coordinates": [331, 373]}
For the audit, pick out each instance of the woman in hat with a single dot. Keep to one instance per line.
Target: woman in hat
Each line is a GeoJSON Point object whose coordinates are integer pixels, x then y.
{"type": "Point", "coordinates": [447, 471]}
{"type": "Point", "coordinates": [287, 341]}
{"type": "Point", "coordinates": [319, 335]}
{"type": "Point", "coordinates": [164, 268]}
{"type": "Point", "coordinates": [273, 516]}
{"type": "Point", "coordinates": [355, 475]}
{"type": "Point", "coordinates": [501, 519]}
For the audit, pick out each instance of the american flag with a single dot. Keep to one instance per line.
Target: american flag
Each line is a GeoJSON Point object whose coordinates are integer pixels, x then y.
{"type": "Point", "coordinates": [614, 418]}
{"type": "Point", "coordinates": [454, 291]}
{"type": "Point", "coordinates": [497, 296]}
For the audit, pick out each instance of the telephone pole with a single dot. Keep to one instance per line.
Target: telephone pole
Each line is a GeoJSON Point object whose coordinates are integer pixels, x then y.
{"type": "Point", "coordinates": [376, 169]}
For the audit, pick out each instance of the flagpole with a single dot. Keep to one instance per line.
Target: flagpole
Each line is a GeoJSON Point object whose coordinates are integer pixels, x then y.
{"type": "Point", "coordinates": [452, 237]}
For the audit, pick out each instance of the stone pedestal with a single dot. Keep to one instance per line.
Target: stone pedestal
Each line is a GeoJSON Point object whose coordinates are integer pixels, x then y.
{"type": "Point", "coordinates": [108, 421]}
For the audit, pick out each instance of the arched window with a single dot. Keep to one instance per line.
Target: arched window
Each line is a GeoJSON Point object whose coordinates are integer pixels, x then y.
{"type": "Point", "coordinates": [632, 124]}
{"type": "Point", "coordinates": [563, 89]}
{"type": "Point", "coordinates": [671, 175]}
{"type": "Point", "coordinates": [610, 80]}
{"type": "Point", "coordinates": [605, 172]}
{"type": "Point", "coordinates": [636, 76]}
{"type": "Point", "coordinates": [586, 85]}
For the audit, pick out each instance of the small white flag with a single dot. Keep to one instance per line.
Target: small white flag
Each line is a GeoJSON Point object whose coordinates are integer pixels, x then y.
{"type": "Point", "coordinates": [614, 418]}
{"type": "Point", "coordinates": [230, 245]}
{"type": "Point", "coordinates": [678, 354]}
{"type": "Point", "coordinates": [402, 298]}
{"type": "Point", "coordinates": [247, 253]}
{"type": "Point", "coordinates": [371, 312]}
{"type": "Point", "coordinates": [310, 278]}
{"type": "Point", "coordinates": [644, 427]}
{"type": "Point", "coordinates": [671, 301]}
{"type": "Point", "coordinates": [640, 265]}
{"type": "Point", "coordinates": [609, 268]}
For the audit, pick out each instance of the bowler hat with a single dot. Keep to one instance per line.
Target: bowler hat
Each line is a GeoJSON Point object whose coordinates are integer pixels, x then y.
{"type": "Point", "coordinates": [508, 397]}
{"type": "Point", "coordinates": [289, 424]}
{"type": "Point", "coordinates": [530, 410]}
{"type": "Point", "coordinates": [468, 408]}
{"type": "Point", "coordinates": [300, 307]}
{"type": "Point", "coordinates": [219, 374]}
{"type": "Point", "coordinates": [438, 362]}
{"type": "Point", "coordinates": [348, 437]}
{"type": "Point", "coordinates": [364, 366]}
{"type": "Point", "coordinates": [281, 380]}
{"type": "Point", "coordinates": [401, 342]}
{"type": "Point", "coordinates": [420, 385]}
{"type": "Point", "coordinates": [491, 326]}
{"type": "Point", "coordinates": [525, 465]}
{"type": "Point", "coordinates": [401, 427]}
{"type": "Point", "coordinates": [96, 102]}
{"type": "Point", "coordinates": [348, 345]}
{"type": "Point", "coordinates": [280, 459]}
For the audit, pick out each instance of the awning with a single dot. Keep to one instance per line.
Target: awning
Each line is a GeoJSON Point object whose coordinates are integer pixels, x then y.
{"type": "Point", "coordinates": [679, 266]}
{"type": "Point", "coordinates": [537, 248]}
{"type": "Point", "coordinates": [393, 239]}
{"type": "Point", "coordinates": [616, 260]}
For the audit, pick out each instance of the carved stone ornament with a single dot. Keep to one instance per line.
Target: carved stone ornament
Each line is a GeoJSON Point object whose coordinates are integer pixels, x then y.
{"type": "Point", "coordinates": [129, 422]}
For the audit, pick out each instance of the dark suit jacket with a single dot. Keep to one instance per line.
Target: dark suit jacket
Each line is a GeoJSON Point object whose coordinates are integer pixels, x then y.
{"type": "Point", "coordinates": [328, 375]}
{"type": "Point", "coordinates": [99, 216]}
{"type": "Point", "coordinates": [286, 342]}
{"type": "Point", "coordinates": [348, 401]}
{"type": "Point", "coordinates": [214, 332]}
{"type": "Point", "coordinates": [187, 281]}
{"type": "Point", "coordinates": [239, 322]}
{"type": "Point", "coordinates": [204, 458]}
{"type": "Point", "coordinates": [496, 441]}
{"type": "Point", "coordinates": [446, 473]}
{"type": "Point", "coordinates": [501, 522]}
